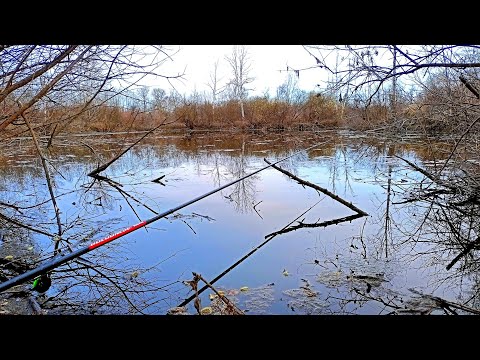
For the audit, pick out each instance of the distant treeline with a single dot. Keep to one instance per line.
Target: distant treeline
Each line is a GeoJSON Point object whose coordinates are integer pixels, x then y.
{"type": "Point", "coordinates": [54, 89]}
{"type": "Point", "coordinates": [443, 108]}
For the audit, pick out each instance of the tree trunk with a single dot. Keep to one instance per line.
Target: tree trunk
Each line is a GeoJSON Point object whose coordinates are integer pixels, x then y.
{"type": "Point", "coordinates": [243, 111]}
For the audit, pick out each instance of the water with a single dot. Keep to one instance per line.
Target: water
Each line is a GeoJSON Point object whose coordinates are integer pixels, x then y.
{"type": "Point", "coordinates": [353, 267]}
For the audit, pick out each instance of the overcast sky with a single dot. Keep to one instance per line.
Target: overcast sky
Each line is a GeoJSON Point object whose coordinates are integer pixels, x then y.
{"type": "Point", "coordinates": [266, 61]}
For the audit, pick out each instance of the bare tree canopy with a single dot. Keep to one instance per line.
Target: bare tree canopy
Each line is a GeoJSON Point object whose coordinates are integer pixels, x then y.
{"type": "Point", "coordinates": [369, 68]}
{"type": "Point", "coordinates": [34, 77]}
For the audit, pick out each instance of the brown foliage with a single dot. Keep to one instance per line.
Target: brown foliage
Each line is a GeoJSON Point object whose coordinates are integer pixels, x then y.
{"type": "Point", "coordinates": [435, 110]}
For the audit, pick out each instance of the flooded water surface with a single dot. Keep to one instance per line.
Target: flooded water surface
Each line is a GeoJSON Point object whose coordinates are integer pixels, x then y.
{"type": "Point", "coordinates": [270, 243]}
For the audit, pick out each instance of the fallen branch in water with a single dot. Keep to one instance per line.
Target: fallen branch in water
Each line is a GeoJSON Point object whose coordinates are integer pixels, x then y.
{"type": "Point", "coordinates": [100, 168]}
{"type": "Point", "coordinates": [203, 216]}
{"type": "Point", "coordinates": [254, 208]}
{"type": "Point", "coordinates": [319, 188]}
{"type": "Point", "coordinates": [157, 180]}
{"type": "Point", "coordinates": [424, 172]}
{"type": "Point", "coordinates": [314, 225]}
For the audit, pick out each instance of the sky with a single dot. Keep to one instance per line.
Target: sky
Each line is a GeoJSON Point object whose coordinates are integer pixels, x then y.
{"type": "Point", "coordinates": [266, 60]}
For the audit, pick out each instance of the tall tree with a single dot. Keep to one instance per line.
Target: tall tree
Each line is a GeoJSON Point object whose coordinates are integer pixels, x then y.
{"type": "Point", "coordinates": [241, 68]}
{"type": "Point", "coordinates": [214, 83]}
{"type": "Point", "coordinates": [159, 98]}
{"type": "Point", "coordinates": [215, 87]}
{"type": "Point", "coordinates": [144, 92]}
{"type": "Point", "coordinates": [289, 89]}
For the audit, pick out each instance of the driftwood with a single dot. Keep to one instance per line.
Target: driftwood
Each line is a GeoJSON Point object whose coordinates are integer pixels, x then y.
{"type": "Point", "coordinates": [319, 188]}
{"type": "Point", "coordinates": [288, 227]}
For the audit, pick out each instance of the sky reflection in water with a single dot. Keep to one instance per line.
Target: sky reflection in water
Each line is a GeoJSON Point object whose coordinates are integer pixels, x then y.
{"type": "Point", "coordinates": [323, 258]}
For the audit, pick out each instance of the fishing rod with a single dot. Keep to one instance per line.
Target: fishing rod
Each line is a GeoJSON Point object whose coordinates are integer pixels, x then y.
{"type": "Point", "coordinates": [61, 259]}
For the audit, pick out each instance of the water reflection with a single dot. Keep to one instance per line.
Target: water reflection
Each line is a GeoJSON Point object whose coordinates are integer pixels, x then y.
{"type": "Point", "coordinates": [335, 262]}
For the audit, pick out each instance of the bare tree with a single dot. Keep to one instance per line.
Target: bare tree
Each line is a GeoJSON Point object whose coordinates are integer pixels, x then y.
{"type": "Point", "coordinates": [214, 83]}
{"type": "Point", "coordinates": [241, 68]}
{"type": "Point", "coordinates": [159, 98]}
{"type": "Point", "coordinates": [289, 89]}
{"type": "Point", "coordinates": [215, 87]}
{"type": "Point", "coordinates": [72, 78]}
{"type": "Point", "coordinates": [368, 68]}
{"type": "Point", "coordinates": [143, 92]}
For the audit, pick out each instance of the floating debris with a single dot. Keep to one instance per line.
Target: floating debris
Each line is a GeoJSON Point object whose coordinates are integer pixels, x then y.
{"type": "Point", "coordinates": [305, 300]}
{"type": "Point", "coordinates": [219, 307]}
{"type": "Point", "coordinates": [180, 310]}
{"type": "Point", "coordinates": [259, 299]}
{"type": "Point", "coordinates": [372, 280]}
{"type": "Point", "coordinates": [206, 311]}
{"type": "Point", "coordinates": [331, 278]}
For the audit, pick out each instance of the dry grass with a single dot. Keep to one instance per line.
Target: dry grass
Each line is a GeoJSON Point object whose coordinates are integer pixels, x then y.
{"type": "Point", "coordinates": [432, 112]}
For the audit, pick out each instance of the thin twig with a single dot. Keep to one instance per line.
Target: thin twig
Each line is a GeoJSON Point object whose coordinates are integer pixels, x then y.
{"type": "Point", "coordinates": [470, 87]}
{"type": "Point", "coordinates": [467, 249]}
{"type": "Point", "coordinates": [49, 182]}
{"type": "Point", "coordinates": [10, 220]}
{"type": "Point", "coordinates": [458, 143]}
{"type": "Point", "coordinates": [254, 208]}
{"type": "Point", "coordinates": [229, 304]}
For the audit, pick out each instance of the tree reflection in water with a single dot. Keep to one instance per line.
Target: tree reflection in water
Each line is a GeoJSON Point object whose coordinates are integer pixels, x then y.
{"type": "Point", "coordinates": [424, 219]}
